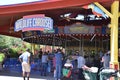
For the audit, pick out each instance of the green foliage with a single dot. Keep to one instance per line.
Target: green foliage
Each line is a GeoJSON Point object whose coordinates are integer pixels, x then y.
{"type": "Point", "coordinates": [13, 53]}
{"type": "Point", "coordinates": [6, 41]}
{"type": "Point", "coordinates": [13, 44]}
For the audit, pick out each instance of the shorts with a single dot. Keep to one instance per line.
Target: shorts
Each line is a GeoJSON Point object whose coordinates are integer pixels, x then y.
{"type": "Point", "coordinates": [25, 67]}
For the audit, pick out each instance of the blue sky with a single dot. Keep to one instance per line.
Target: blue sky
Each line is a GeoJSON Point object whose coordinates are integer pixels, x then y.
{"type": "Point", "coordinates": [10, 2]}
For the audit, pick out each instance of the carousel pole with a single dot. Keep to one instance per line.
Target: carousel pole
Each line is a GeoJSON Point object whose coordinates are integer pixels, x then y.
{"type": "Point", "coordinates": [53, 43]}
{"type": "Point", "coordinates": [45, 46]}
{"type": "Point", "coordinates": [99, 44]}
{"type": "Point", "coordinates": [95, 46]}
{"type": "Point", "coordinates": [82, 45]}
{"type": "Point", "coordinates": [102, 43]}
{"type": "Point", "coordinates": [79, 45]}
{"type": "Point", "coordinates": [33, 48]}
{"type": "Point", "coordinates": [107, 46]}
{"type": "Point", "coordinates": [65, 44]}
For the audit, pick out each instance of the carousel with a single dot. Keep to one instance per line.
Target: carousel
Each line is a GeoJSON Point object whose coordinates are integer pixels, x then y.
{"type": "Point", "coordinates": [82, 35]}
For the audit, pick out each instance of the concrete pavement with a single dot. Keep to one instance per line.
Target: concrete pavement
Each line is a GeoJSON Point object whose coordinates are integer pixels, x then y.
{"type": "Point", "coordinates": [18, 78]}
{"type": "Point", "coordinates": [7, 75]}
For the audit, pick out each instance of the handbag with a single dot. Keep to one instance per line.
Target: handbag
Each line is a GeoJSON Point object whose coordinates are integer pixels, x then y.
{"type": "Point", "coordinates": [66, 72]}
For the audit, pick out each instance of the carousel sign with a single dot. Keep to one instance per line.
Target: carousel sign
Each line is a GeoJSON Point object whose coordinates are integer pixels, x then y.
{"type": "Point", "coordinates": [34, 22]}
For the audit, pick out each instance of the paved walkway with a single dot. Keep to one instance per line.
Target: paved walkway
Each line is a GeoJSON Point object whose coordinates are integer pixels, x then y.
{"type": "Point", "coordinates": [7, 75]}
{"type": "Point", "coordinates": [19, 78]}
{"type": "Point", "coordinates": [14, 75]}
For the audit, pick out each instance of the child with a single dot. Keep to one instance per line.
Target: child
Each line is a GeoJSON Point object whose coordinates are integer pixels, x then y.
{"type": "Point", "coordinates": [67, 70]}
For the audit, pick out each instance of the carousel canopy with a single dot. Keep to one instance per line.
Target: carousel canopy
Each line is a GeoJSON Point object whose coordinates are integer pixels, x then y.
{"type": "Point", "coordinates": [63, 13]}
{"type": "Point", "coordinates": [72, 34]}
{"type": "Point", "coordinates": [56, 9]}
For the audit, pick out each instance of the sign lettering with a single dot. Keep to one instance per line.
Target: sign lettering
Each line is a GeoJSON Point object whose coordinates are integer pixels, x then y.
{"type": "Point", "coordinates": [40, 22]}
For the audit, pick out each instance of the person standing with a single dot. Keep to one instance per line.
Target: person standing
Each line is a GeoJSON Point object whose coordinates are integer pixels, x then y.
{"type": "Point", "coordinates": [58, 67]}
{"type": "Point", "coordinates": [81, 64]}
{"type": "Point", "coordinates": [40, 54]}
{"type": "Point", "coordinates": [25, 60]}
{"type": "Point", "coordinates": [2, 57]}
{"type": "Point", "coordinates": [119, 57]}
{"type": "Point", "coordinates": [44, 64]}
{"type": "Point", "coordinates": [106, 60]}
{"type": "Point", "coordinates": [54, 60]}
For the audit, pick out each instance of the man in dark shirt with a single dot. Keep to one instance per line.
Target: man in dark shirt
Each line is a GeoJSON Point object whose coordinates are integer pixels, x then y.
{"type": "Point", "coordinates": [40, 54]}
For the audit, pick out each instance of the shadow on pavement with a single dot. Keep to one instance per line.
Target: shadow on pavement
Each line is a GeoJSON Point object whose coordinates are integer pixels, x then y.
{"type": "Point", "coordinates": [32, 75]}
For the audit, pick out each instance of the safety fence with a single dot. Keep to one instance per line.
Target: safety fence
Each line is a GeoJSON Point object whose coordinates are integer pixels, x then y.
{"type": "Point", "coordinates": [14, 65]}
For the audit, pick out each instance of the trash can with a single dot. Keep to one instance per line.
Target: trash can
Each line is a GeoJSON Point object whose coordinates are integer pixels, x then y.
{"type": "Point", "coordinates": [91, 74]}
{"type": "Point", "coordinates": [107, 73]}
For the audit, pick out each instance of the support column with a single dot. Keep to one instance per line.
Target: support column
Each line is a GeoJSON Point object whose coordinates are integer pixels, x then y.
{"type": "Point", "coordinates": [33, 48]}
{"type": "Point", "coordinates": [114, 15]}
{"type": "Point", "coordinates": [114, 35]}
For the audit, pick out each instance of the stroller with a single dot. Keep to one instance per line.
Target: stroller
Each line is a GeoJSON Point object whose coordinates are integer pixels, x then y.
{"type": "Point", "coordinates": [90, 73]}
{"type": "Point", "coordinates": [67, 71]}
{"type": "Point", "coordinates": [106, 74]}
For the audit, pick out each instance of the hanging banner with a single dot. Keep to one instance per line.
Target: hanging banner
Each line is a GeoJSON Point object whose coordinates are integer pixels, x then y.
{"type": "Point", "coordinates": [26, 34]}
{"type": "Point", "coordinates": [60, 29]}
{"type": "Point", "coordinates": [98, 30]}
{"type": "Point", "coordinates": [34, 22]}
{"type": "Point", "coordinates": [79, 28]}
